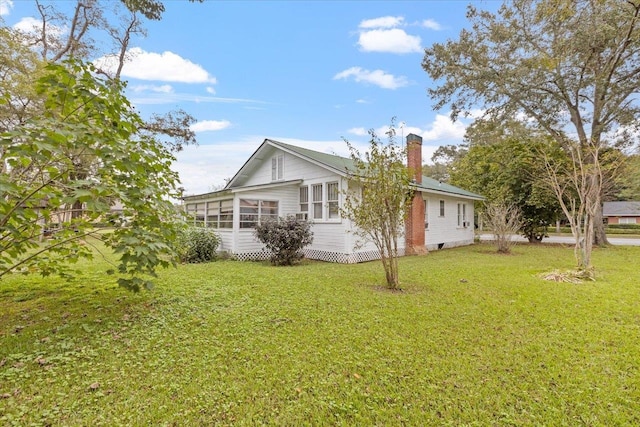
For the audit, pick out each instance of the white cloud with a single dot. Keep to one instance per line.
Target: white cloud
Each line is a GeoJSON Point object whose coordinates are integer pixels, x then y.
{"type": "Point", "coordinates": [391, 41]}
{"type": "Point", "coordinates": [432, 24]}
{"type": "Point", "coordinates": [210, 125]}
{"type": "Point", "coordinates": [152, 88]}
{"type": "Point", "coordinates": [166, 67]}
{"type": "Point", "coordinates": [383, 22]}
{"type": "Point", "coordinates": [211, 90]}
{"type": "Point", "coordinates": [377, 77]}
{"type": "Point", "coordinates": [358, 131]}
{"type": "Point", "coordinates": [5, 7]}
{"type": "Point", "coordinates": [443, 129]}
{"type": "Point", "coordinates": [31, 25]}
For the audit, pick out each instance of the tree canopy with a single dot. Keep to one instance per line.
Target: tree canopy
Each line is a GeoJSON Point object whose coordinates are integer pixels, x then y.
{"type": "Point", "coordinates": [572, 67]}
{"type": "Point", "coordinates": [84, 149]}
{"type": "Point", "coordinates": [506, 164]}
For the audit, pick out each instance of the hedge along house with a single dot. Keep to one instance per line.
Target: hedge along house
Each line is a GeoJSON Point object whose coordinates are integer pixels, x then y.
{"type": "Point", "coordinates": [281, 179]}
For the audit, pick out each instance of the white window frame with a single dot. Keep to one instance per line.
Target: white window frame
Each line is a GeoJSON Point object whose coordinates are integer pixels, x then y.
{"type": "Point", "coordinates": [442, 211]}
{"type": "Point", "coordinates": [627, 220]}
{"type": "Point", "coordinates": [462, 214]}
{"type": "Point", "coordinates": [317, 202]}
{"type": "Point", "coordinates": [331, 202]}
{"type": "Point", "coordinates": [426, 214]}
{"type": "Point", "coordinates": [277, 167]}
{"type": "Point", "coordinates": [303, 199]}
{"type": "Point", "coordinates": [321, 205]}
{"type": "Point", "coordinates": [260, 214]}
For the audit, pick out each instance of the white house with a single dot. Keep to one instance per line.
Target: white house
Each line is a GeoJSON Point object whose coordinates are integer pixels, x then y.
{"type": "Point", "coordinates": [281, 179]}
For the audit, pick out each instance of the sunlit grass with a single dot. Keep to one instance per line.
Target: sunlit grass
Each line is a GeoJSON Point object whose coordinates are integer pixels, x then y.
{"type": "Point", "coordinates": [473, 338]}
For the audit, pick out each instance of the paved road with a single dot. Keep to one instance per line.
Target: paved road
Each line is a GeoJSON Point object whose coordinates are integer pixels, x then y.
{"type": "Point", "coordinates": [628, 241]}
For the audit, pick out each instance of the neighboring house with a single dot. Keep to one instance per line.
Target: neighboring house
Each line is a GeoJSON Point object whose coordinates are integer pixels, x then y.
{"type": "Point", "coordinates": [621, 212]}
{"type": "Point", "coordinates": [281, 179]}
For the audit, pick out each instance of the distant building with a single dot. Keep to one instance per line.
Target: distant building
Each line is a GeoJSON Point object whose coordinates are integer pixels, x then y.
{"type": "Point", "coordinates": [621, 212]}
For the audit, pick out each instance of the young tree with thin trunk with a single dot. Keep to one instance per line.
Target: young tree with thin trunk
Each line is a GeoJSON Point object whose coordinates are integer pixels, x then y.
{"type": "Point", "coordinates": [505, 220]}
{"type": "Point", "coordinates": [379, 198]}
{"type": "Point", "coordinates": [576, 184]}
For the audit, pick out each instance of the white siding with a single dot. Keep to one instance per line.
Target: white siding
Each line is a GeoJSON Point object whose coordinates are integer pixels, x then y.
{"type": "Point", "coordinates": [294, 168]}
{"type": "Point", "coordinates": [445, 230]}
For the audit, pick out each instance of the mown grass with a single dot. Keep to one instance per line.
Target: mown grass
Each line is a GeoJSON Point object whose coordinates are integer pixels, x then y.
{"type": "Point", "coordinates": [475, 338]}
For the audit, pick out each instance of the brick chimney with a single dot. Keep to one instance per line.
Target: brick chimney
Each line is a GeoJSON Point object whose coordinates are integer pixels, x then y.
{"type": "Point", "coordinates": [414, 225]}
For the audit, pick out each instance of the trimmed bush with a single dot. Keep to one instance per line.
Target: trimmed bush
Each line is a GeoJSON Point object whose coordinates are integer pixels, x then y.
{"type": "Point", "coordinates": [285, 238]}
{"type": "Point", "coordinates": [197, 244]}
{"type": "Point", "coordinates": [624, 226]}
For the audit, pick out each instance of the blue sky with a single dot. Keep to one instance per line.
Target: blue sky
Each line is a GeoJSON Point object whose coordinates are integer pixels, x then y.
{"type": "Point", "coordinates": [303, 72]}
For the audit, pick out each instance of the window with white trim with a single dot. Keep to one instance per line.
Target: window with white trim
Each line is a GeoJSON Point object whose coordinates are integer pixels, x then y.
{"type": "Point", "coordinates": [624, 220]}
{"type": "Point", "coordinates": [332, 200]}
{"type": "Point", "coordinates": [253, 211]}
{"type": "Point", "coordinates": [277, 167]}
{"type": "Point", "coordinates": [441, 207]}
{"type": "Point", "coordinates": [196, 213]}
{"type": "Point", "coordinates": [304, 199]}
{"type": "Point", "coordinates": [316, 198]}
{"type": "Point", "coordinates": [218, 214]}
{"type": "Point", "coordinates": [213, 214]}
{"type": "Point", "coordinates": [462, 215]}
{"type": "Point", "coordinates": [426, 213]}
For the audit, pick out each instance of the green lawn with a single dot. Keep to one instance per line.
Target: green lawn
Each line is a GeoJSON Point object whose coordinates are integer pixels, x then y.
{"type": "Point", "coordinates": [475, 338]}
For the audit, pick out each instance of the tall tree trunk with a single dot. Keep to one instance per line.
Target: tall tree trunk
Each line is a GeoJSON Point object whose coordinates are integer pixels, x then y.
{"type": "Point", "coordinates": [599, 235]}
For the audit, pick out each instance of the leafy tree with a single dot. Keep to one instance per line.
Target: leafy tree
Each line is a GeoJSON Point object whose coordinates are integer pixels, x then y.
{"type": "Point", "coordinates": [379, 197]}
{"type": "Point", "coordinates": [86, 24]}
{"type": "Point", "coordinates": [505, 220]}
{"type": "Point", "coordinates": [571, 180]}
{"type": "Point", "coordinates": [570, 66]}
{"type": "Point", "coordinates": [505, 165]}
{"type": "Point", "coordinates": [84, 148]}
{"type": "Point", "coordinates": [285, 238]}
{"type": "Point", "coordinates": [628, 181]}
{"type": "Point", "coordinates": [443, 160]}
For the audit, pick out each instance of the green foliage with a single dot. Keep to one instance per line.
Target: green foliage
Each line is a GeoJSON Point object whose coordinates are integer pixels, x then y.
{"type": "Point", "coordinates": [68, 165]}
{"type": "Point", "coordinates": [284, 238]}
{"type": "Point", "coordinates": [505, 164]}
{"type": "Point", "coordinates": [623, 226]}
{"type": "Point", "coordinates": [197, 244]}
{"type": "Point", "coordinates": [569, 67]}
{"type": "Point", "coordinates": [628, 180]}
{"type": "Point", "coordinates": [476, 339]}
{"type": "Point", "coordinates": [379, 198]}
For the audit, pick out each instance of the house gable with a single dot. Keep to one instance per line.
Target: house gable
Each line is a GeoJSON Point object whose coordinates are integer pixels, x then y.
{"type": "Point", "coordinates": [275, 161]}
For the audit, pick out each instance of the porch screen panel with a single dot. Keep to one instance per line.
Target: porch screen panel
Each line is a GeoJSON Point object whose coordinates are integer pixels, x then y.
{"type": "Point", "coordinates": [213, 213]}
{"type": "Point", "coordinates": [249, 211]}
{"type": "Point", "coordinates": [191, 213]}
{"type": "Point", "coordinates": [226, 214]}
{"type": "Point", "coordinates": [200, 214]}
{"type": "Point", "coordinates": [268, 210]}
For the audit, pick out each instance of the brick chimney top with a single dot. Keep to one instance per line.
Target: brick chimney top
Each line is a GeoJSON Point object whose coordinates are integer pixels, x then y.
{"type": "Point", "coordinates": [414, 157]}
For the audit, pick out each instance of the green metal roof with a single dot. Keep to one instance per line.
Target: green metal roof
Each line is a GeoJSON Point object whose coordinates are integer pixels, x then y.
{"type": "Point", "coordinates": [346, 165]}
{"type": "Point", "coordinates": [431, 184]}
{"type": "Point", "coordinates": [341, 164]}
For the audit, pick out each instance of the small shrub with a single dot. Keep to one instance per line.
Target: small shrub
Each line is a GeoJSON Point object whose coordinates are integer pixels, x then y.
{"type": "Point", "coordinates": [624, 226]}
{"type": "Point", "coordinates": [285, 238]}
{"type": "Point", "coordinates": [197, 244]}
